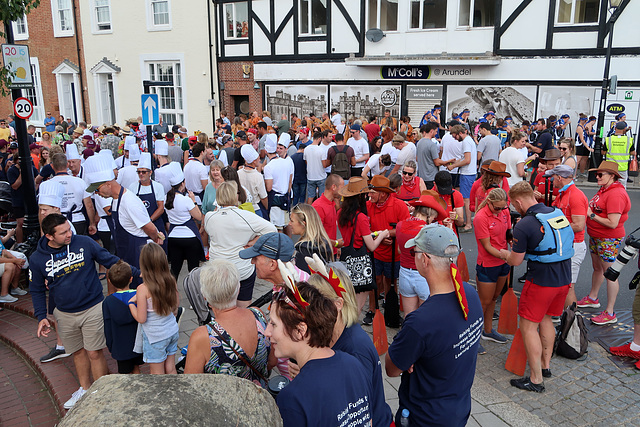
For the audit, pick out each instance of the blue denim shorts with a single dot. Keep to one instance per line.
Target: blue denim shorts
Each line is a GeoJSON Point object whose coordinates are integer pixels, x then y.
{"type": "Point", "coordinates": [313, 185]}
{"type": "Point", "coordinates": [412, 284]}
{"type": "Point", "coordinates": [466, 182]}
{"type": "Point", "coordinates": [158, 351]}
{"type": "Point", "coordinates": [384, 268]}
{"type": "Point", "coordinates": [491, 274]}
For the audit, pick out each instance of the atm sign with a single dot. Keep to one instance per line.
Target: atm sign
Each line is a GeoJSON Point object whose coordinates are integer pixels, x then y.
{"type": "Point", "coordinates": [615, 108]}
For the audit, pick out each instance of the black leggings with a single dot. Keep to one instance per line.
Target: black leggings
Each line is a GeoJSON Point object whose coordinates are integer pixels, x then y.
{"type": "Point", "coordinates": [181, 249]}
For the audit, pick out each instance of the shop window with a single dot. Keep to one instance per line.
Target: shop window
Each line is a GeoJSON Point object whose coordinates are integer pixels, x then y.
{"type": "Point", "coordinates": [477, 13]}
{"type": "Point", "coordinates": [313, 17]}
{"type": "Point", "coordinates": [236, 20]}
{"type": "Point", "coordinates": [383, 14]}
{"type": "Point", "coordinates": [577, 11]}
{"type": "Point", "coordinates": [427, 14]}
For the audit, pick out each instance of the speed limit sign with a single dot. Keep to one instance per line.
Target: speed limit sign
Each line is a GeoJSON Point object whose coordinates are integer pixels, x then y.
{"type": "Point", "coordinates": [23, 108]}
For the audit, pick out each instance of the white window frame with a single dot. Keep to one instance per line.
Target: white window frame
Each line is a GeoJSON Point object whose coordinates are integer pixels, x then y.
{"type": "Point", "coordinates": [177, 58]}
{"type": "Point", "coordinates": [17, 35]}
{"type": "Point", "coordinates": [151, 26]}
{"type": "Point", "coordinates": [233, 18]}
{"type": "Point", "coordinates": [573, 16]}
{"type": "Point", "coordinates": [378, 8]}
{"type": "Point", "coordinates": [37, 91]}
{"type": "Point", "coordinates": [57, 30]}
{"type": "Point", "coordinates": [421, 23]}
{"type": "Point", "coordinates": [95, 29]}
{"type": "Point", "coordinates": [309, 20]}
{"type": "Point", "coordinates": [469, 25]}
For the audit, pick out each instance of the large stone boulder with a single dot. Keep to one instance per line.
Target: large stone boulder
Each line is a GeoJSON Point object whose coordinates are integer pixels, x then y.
{"type": "Point", "coordinates": [174, 400]}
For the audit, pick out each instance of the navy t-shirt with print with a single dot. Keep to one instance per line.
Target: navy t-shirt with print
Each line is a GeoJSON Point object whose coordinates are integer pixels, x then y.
{"type": "Point", "coordinates": [443, 356]}
{"type": "Point", "coordinates": [335, 391]}
{"type": "Point", "coordinates": [527, 234]}
{"type": "Point", "coordinates": [356, 342]}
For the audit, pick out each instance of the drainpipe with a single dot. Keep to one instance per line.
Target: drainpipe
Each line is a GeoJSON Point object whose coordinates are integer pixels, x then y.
{"type": "Point", "coordinates": [213, 85]}
{"type": "Point", "coordinates": [75, 26]}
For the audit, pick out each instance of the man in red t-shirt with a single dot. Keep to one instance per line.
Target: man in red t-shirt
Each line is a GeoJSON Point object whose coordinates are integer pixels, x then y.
{"type": "Point", "coordinates": [552, 158]}
{"type": "Point", "coordinates": [372, 129]}
{"type": "Point", "coordinates": [325, 205]}
{"type": "Point", "coordinates": [385, 212]}
{"type": "Point", "coordinates": [573, 203]}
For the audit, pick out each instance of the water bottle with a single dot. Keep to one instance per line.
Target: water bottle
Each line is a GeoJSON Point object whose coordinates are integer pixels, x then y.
{"type": "Point", "coordinates": [404, 419]}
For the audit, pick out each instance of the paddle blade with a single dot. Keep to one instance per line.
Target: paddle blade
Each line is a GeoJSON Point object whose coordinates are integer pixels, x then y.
{"type": "Point", "coordinates": [508, 321]}
{"type": "Point", "coordinates": [464, 268]}
{"type": "Point", "coordinates": [517, 358]}
{"type": "Point", "coordinates": [380, 334]}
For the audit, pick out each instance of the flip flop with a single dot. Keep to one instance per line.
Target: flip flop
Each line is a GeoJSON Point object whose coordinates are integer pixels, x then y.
{"type": "Point", "coordinates": [102, 276]}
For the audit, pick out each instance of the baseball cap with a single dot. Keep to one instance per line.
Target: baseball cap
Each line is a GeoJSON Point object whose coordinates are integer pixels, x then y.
{"type": "Point", "coordinates": [621, 125]}
{"type": "Point", "coordinates": [562, 171]}
{"type": "Point", "coordinates": [3, 143]}
{"type": "Point", "coordinates": [241, 134]}
{"type": "Point", "coordinates": [355, 127]}
{"type": "Point", "coordinates": [444, 183]}
{"type": "Point", "coordinates": [434, 239]}
{"type": "Point", "coordinates": [272, 245]}
{"type": "Point", "coordinates": [33, 146]}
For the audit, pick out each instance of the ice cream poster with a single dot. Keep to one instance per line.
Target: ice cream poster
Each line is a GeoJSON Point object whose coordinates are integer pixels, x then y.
{"type": "Point", "coordinates": [16, 60]}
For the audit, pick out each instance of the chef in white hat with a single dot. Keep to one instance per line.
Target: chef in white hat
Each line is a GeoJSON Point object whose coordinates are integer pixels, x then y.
{"type": "Point", "coordinates": [133, 227]}
{"type": "Point", "coordinates": [162, 173]}
{"type": "Point", "coordinates": [251, 179]}
{"type": "Point", "coordinates": [123, 160]}
{"type": "Point", "coordinates": [150, 192]}
{"type": "Point", "coordinates": [75, 161]}
{"type": "Point", "coordinates": [128, 175]}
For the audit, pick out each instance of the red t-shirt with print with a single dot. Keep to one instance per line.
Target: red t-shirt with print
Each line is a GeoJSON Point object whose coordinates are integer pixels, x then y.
{"type": "Point", "coordinates": [488, 225]}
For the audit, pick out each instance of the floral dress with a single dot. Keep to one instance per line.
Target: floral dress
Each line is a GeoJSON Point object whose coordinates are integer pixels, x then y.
{"type": "Point", "coordinates": [224, 360]}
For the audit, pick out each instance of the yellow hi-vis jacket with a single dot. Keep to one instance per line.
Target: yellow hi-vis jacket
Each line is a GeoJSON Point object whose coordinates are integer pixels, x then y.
{"type": "Point", "coordinates": [618, 147]}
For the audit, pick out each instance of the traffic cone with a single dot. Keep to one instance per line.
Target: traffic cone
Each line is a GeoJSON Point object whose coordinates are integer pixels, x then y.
{"type": "Point", "coordinates": [517, 358]}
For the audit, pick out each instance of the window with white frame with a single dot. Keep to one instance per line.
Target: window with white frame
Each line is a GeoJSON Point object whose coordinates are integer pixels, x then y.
{"type": "Point", "coordinates": [427, 14]}
{"type": "Point", "coordinates": [34, 94]}
{"type": "Point", "coordinates": [170, 97]}
{"type": "Point", "coordinates": [20, 28]}
{"type": "Point", "coordinates": [102, 15]}
{"type": "Point", "coordinates": [158, 14]}
{"type": "Point", "coordinates": [62, 11]}
{"type": "Point", "coordinates": [383, 14]}
{"type": "Point", "coordinates": [236, 17]}
{"type": "Point", "coordinates": [577, 11]}
{"type": "Point", "coordinates": [313, 17]}
{"type": "Point", "coordinates": [477, 13]}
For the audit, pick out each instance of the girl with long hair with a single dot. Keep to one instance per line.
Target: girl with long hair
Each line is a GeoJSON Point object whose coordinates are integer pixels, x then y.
{"type": "Point", "coordinates": [567, 147]}
{"type": "Point", "coordinates": [153, 307]}
{"type": "Point", "coordinates": [306, 223]}
{"type": "Point", "coordinates": [44, 158]}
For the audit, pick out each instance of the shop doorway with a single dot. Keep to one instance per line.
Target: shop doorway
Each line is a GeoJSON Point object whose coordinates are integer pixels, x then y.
{"type": "Point", "coordinates": [241, 105]}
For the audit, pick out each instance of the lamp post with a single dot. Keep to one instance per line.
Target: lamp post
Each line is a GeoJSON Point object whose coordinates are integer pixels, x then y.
{"type": "Point", "coordinates": [597, 153]}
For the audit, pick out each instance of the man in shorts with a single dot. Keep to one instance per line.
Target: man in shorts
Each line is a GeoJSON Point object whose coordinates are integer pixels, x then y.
{"type": "Point", "coordinates": [467, 168]}
{"type": "Point", "coordinates": [278, 180]}
{"type": "Point", "coordinates": [67, 263]}
{"type": "Point", "coordinates": [547, 281]}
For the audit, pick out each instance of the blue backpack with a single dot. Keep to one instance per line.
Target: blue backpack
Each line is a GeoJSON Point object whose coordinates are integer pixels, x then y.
{"type": "Point", "coordinates": [557, 242]}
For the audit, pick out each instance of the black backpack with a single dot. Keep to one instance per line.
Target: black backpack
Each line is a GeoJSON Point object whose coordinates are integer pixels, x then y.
{"type": "Point", "coordinates": [340, 164]}
{"type": "Point", "coordinates": [571, 336]}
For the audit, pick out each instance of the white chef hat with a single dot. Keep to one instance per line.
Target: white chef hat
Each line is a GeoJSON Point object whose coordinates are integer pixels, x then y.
{"type": "Point", "coordinates": [249, 154]}
{"type": "Point", "coordinates": [107, 153]}
{"type": "Point", "coordinates": [285, 139]}
{"type": "Point", "coordinates": [72, 152]}
{"type": "Point", "coordinates": [161, 147]}
{"type": "Point", "coordinates": [97, 171]}
{"type": "Point", "coordinates": [51, 193]}
{"type": "Point", "coordinates": [134, 153]}
{"type": "Point", "coordinates": [176, 176]}
{"type": "Point", "coordinates": [145, 161]}
{"type": "Point", "coordinates": [271, 143]}
{"type": "Point", "coordinates": [129, 141]}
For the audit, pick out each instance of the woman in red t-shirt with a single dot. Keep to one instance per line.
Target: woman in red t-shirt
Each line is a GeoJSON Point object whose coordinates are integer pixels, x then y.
{"type": "Point", "coordinates": [608, 210]}
{"type": "Point", "coordinates": [494, 175]}
{"type": "Point", "coordinates": [354, 211]}
{"type": "Point", "coordinates": [491, 224]}
{"type": "Point", "coordinates": [412, 185]}
{"type": "Point", "coordinates": [412, 286]}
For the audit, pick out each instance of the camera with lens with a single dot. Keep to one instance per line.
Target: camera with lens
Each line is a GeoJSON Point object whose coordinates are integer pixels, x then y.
{"type": "Point", "coordinates": [628, 252]}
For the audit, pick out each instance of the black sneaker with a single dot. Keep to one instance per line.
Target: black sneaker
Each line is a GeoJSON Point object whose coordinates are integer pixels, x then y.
{"type": "Point", "coordinates": [368, 318]}
{"type": "Point", "coordinates": [525, 383]}
{"type": "Point", "coordinates": [381, 295]}
{"type": "Point", "coordinates": [53, 355]}
{"type": "Point", "coordinates": [496, 316]}
{"type": "Point", "coordinates": [522, 278]}
{"type": "Point", "coordinates": [546, 373]}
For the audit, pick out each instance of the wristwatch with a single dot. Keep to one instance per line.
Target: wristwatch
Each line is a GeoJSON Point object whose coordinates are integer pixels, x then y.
{"type": "Point", "coordinates": [592, 216]}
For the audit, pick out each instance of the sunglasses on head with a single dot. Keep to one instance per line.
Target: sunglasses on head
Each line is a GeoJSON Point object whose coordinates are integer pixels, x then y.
{"type": "Point", "coordinates": [407, 173]}
{"type": "Point", "coordinates": [281, 295]}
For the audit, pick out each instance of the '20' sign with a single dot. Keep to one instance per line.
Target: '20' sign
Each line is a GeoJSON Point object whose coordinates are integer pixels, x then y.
{"type": "Point", "coordinates": [23, 108]}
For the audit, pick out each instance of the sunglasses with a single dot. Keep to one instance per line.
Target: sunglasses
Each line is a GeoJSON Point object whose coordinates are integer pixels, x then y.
{"type": "Point", "coordinates": [499, 209]}
{"type": "Point", "coordinates": [601, 174]}
{"type": "Point", "coordinates": [413, 253]}
{"type": "Point", "coordinates": [143, 172]}
{"type": "Point", "coordinates": [281, 296]}
{"type": "Point", "coordinates": [562, 149]}
{"type": "Point", "coordinates": [407, 173]}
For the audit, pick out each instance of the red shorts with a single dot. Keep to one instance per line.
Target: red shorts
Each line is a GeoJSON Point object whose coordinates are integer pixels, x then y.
{"type": "Point", "coordinates": [537, 301]}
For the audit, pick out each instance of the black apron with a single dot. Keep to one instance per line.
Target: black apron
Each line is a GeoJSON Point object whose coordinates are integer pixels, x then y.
{"type": "Point", "coordinates": [191, 225]}
{"type": "Point", "coordinates": [151, 203]}
{"type": "Point", "coordinates": [127, 245]}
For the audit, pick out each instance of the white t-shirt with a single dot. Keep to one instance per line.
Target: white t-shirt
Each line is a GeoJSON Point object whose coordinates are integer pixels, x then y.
{"type": "Point", "coordinates": [313, 156]}
{"type": "Point", "coordinates": [451, 149]}
{"type": "Point", "coordinates": [132, 214]}
{"type": "Point", "coordinates": [158, 190]}
{"type": "Point", "coordinates": [469, 146]}
{"type": "Point", "coordinates": [223, 158]}
{"type": "Point", "coordinates": [127, 176]}
{"type": "Point", "coordinates": [360, 148]}
{"type": "Point", "coordinates": [162, 177]}
{"type": "Point", "coordinates": [120, 160]}
{"type": "Point", "coordinates": [101, 203]}
{"type": "Point", "coordinates": [407, 153]}
{"type": "Point", "coordinates": [74, 194]}
{"type": "Point", "coordinates": [336, 119]}
{"type": "Point", "coordinates": [389, 149]}
{"type": "Point", "coordinates": [374, 165]}
{"type": "Point", "coordinates": [325, 155]}
{"type": "Point", "coordinates": [511, 156]}
{"type": "Point", "coordinates": [280, 171]}
{"type": "Point", "coordinates": [180, 214]}
{"type": "Point", "coordinates": [194, 173]}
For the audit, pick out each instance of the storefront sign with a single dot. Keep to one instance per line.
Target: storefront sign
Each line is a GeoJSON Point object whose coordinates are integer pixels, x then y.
{"type": "Point", "coordinates": [405, 73]}
{"type": "Point", "coordinates": [628, 95]}
{"type": "Point", "coordinates": [615, 108]}
{"type": "Point", "coordinates": [424, 92]}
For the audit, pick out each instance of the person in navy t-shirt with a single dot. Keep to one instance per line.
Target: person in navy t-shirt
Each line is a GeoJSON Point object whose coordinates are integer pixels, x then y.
{"type": "Point", "coordinates": [437, 363]}
{"type": "Point", "coordinates": [333, 388]}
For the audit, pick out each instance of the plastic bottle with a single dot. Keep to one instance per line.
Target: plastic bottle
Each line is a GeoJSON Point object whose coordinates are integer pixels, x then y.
{"type": "Point", "coordinates": [404, 419]}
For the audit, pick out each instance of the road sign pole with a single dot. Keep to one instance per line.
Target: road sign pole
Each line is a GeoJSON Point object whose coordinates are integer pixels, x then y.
{"type": "Point", "coordinates": [148, 107]}
{"type": "Point", "coordinates": [147, 90]}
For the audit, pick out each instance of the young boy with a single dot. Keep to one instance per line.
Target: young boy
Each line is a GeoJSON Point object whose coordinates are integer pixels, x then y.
{"type": "Point", "coordinates": [119, 325]}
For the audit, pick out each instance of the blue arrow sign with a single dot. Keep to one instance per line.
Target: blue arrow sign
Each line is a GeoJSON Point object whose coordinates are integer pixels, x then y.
{"type": "Point", "coordinates": [150, 109]}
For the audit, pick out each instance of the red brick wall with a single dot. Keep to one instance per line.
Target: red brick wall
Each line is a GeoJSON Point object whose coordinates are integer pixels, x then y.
{"type": "Point", "coordinates": [51, 51]}
{"type": "Point", "coordinates": [235, 84]}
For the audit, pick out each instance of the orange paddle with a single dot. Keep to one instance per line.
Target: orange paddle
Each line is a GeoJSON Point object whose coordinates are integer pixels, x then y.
{"type": "Point", "coordinates": [508, 321]}
{"type": "Point", "coordinates": [517, 358]}
{"type": "Point", "coordinates": [463, 267]}
{"type": "Point", "coordinates": [380, 333]}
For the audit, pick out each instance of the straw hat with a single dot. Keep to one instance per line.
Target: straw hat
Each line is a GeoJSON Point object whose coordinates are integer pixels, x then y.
{"type": "Point", "coordinates": [381, 184]}
{"type": "Point", "coordinates": [356, 186]}
{"type": "Point", "coordinates": [608, 166]}
{"type": "Point", "coordinates": [496, 168]}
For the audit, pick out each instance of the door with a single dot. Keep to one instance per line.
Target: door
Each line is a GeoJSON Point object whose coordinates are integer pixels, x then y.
{"type": "Point", "coordinates": [68, 97]}
{"type": "Point", "coordinates": [105, 105]}
{"type": "Point", "coordinates": [111, 118]}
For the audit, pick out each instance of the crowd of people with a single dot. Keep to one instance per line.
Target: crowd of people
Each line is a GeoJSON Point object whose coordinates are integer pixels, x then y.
{"type": "Point", "coordinates": [376, 207]}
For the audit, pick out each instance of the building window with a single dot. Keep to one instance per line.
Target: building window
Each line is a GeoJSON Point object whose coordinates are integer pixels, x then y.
{"type": "Point", "coordinates": [577, 11]}
{"type": "Point", "coordinates": [34, 94]}
{"type": "Point", "coordinates": [62, 18]}
{"type": "Point", "coordinates": [236, 20]}
{"type": "Point", "coordinates": [313, 17]}
{"type": "Point", "coordinates": [477, 13]}
{"type": "Point", "coordinates": [170, 97]}
{"type": "Point", "coordinates": [427, 14]}
{"type": "Point", "coordinates": [383, 14]}
{"type": "Point", "coordinates": [102, 15]}
{"type": "Point", "coordinates": [158, 15]}
{"type": "Point", "coordinates": [20, 29]}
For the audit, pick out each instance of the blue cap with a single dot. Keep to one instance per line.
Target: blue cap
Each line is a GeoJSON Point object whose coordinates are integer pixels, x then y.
{"type": "Point", "coordinates": [565, 116]}
{"type": "Point", "coordinates": [483, 120]}
{"type": "Point", "coordinates": [272, 245]}
{"type": "Point", "coordinates": [355, 127]}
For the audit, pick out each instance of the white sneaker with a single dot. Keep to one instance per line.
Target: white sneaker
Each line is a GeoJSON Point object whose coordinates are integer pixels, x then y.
{"type": "Point", "coordinates": [74, 398]}
{"type": "Point", "coordinates": [8, 298]}
{"type": "Point", "coordinates": [18, 291]}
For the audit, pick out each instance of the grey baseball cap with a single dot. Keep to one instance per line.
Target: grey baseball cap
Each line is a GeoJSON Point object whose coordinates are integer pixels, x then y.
{"type": "Point", "coordinates": [563, 171]}
{"type": "Point", "coordinates": [272, 245]}
{"type": "Point", "coordinates": [433, 239]}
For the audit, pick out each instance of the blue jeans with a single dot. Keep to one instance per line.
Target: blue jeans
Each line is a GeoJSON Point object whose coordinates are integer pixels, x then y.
{"type": "Point", "coordinates": [299, 192]}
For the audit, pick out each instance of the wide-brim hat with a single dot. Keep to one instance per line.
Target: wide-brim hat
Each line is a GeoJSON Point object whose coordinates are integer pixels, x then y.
{"type": "Point", "coordinates": [433, 202]}
{"type": "Point", "coordinates": [552, 154]}
{"type": "Point", "coordinates": [496, 168]}
{"type": "Point", "coordinates": [107, 129]}
{"type": "Point", "coordinates": [355, 186]}
{"type": "Point", "coordinates": [381, 184]}
{"type": "Point", "coordinates": [608, 166]}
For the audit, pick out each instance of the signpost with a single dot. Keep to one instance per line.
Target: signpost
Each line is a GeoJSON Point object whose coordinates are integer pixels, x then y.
{"type": "Point", "coordinates": [23, 108]}
{"type": "Point", "coordinates": [16, 59]}
{"type": "Point", "coordinates": [151, 112]}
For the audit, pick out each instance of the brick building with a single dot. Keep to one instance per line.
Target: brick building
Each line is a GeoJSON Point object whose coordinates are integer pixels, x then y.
{"type": "Point", "coordinates": [53, 33]}
{"type": "Point", "coordinates": [238, 94]}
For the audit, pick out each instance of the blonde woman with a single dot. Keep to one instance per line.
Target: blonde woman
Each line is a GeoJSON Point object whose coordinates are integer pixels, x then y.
{"type": "Point", "coordinates": [215, 179]}
{"type": "Point", "coordinates": [567, 148]}
{"type": "Point", "coordinates": [306, 223]}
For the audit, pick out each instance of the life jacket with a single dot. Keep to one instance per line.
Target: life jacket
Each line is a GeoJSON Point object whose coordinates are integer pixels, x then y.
{"type": "Point", "coordinates": [557, 241]}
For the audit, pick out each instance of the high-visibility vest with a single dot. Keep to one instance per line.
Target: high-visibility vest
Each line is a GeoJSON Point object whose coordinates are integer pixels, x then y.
{"type": "Point", "coordinates": [617, 147]}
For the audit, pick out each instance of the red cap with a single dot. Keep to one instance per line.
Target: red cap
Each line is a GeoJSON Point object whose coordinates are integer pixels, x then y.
{"type": "Point", "coordinates": [253, 131]}
{"type": "Point", "coordinates": [193, 138]}
{"type": "Point", "coordinates": [304, 130]}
